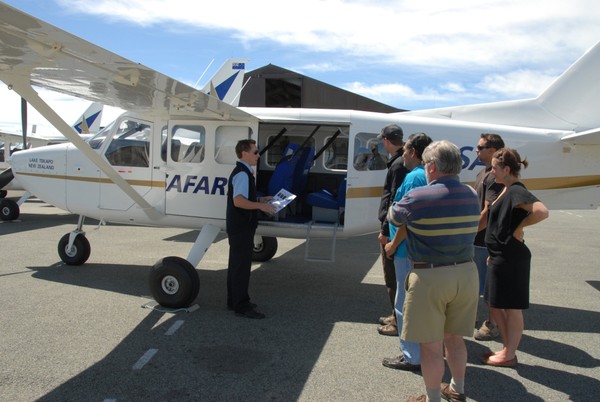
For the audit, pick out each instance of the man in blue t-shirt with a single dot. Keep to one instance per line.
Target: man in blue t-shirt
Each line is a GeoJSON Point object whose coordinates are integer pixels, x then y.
{"type": "Point", "coordinates": [410, 356]}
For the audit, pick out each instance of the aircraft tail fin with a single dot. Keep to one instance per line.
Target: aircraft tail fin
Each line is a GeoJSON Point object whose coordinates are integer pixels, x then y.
{"type": "Point", "coordinates": [569, 103]}
{"type": "Point", "coordinates": [573, 97]}
{"type": "Point", "coordinates": [226, 84]}
{"type": "Point", "coordinates": [89, 121]}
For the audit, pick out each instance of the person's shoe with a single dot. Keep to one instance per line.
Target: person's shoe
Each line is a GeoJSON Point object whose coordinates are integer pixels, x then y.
{"type": "Point", "coordinates": [399, 363]}
{"type": "Point", "coordinates": [386, 320]}
{"type": "Point", "coordinates": [450, 395]}
{"type": "Point", "coordinates": [487, 331]}
{"type": "Point", "coordinates": [250, 314]}
{"type": "Point", "coordinates": [422, 398]}
{"type": "Point", "coordinates": [252, 305]}
{"type": "Point", "coordinates": [507, 363]}
{"type": "Point", "coordinates": [389, 330]}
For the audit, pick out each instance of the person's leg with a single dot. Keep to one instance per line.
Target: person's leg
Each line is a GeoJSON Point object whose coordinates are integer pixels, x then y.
{"type": "Point", "coordinates": [410, 350]}
{"type": "Point", "coordinates": [388, 324]}
{"type": "Point", "coordinates": [238, 274]}
{"type": "Point", "coordinates": [432, 365]}
{"type": "Point", "coordinates": [389, 276]}
{"type": "Point", "coordinates": [456, 356]}
{"type": "Point", "coordinates": [488, 329]}
{"type": "Point", "coordinates": [511, 336]}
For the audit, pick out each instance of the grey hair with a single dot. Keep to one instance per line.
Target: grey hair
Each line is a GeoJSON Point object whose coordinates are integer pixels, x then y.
{"type": "Point", "coordinates": [445, 155]}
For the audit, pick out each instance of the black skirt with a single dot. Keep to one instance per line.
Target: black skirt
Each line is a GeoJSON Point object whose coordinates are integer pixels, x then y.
{"type": "Point", "coordinates": [507, 280]}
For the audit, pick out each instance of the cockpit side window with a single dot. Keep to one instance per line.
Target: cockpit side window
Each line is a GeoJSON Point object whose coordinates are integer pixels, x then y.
{"type": "Point", "coordinates": [130, 145]}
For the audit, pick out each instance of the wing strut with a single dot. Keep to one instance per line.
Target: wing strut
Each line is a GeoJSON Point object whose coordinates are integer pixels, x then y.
{"type": "Point", "coordinates": [26, 91]}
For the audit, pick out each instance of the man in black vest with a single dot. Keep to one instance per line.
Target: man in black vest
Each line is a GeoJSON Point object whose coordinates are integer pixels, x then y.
{"type": "Point", "coordinates": [242, 220]}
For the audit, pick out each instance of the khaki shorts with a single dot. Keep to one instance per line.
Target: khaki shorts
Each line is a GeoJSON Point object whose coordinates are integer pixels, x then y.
{"type": "Point", "coordinates": [440, 300]}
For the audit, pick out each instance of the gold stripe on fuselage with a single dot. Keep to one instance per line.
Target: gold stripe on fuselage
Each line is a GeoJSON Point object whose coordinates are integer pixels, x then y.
{"type": "Point", "coordinates": [132, 182]}
{"type": "Point", "coordinates": [547, 183]}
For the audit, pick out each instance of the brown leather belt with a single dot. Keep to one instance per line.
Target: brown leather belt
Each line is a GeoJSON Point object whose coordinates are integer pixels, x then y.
{"type": "Point", "coordinates": [425, 265]}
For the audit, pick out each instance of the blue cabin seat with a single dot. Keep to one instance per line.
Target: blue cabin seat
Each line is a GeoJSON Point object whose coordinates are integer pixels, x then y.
{"type": "Point", "coordinates": [291, 172]}
{"type": "Point", "coordinates": [326, 206]}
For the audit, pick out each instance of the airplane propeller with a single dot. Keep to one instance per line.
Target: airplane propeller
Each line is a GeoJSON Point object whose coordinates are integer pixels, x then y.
{"type": "Point", "coordinates": [24, 121]}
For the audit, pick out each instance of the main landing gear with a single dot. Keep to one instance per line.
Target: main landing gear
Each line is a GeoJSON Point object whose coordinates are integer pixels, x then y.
{"type": "Point", "coordinates": [173, 281]}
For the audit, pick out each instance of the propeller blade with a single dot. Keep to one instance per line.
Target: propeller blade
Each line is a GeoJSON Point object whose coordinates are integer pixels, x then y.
{"type": "Point", "coordinates": [5, 177]}
{"type": "Point", "coordinates": [24, 121]}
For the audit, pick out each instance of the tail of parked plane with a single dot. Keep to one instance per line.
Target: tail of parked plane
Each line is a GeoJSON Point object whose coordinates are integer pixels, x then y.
{"type": "Point", "coordinates": [569, 103]}
{"type": "Point", "coordinates": [227, 83]}
{"type": "Point", "coordinates": [89, 121]}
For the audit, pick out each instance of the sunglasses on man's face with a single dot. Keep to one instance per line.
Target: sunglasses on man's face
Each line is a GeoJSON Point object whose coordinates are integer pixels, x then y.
{"type": "Point", "coordinates": [480, 147]}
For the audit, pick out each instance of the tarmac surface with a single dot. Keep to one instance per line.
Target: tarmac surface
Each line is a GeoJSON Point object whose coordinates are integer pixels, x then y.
{"type": "Point", "coordinates": [81, 333]}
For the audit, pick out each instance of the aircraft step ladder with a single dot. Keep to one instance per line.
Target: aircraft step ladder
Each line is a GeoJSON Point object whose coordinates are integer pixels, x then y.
{"type": "Point", "coordinates": [331, 257]}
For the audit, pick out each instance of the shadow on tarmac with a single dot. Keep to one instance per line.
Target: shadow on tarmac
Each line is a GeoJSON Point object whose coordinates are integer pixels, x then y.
{"type": "Point", "coordinates": [216, 355]}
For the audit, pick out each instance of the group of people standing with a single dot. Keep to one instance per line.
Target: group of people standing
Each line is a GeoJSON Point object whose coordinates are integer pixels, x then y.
{"type": "Point", "coordinates": [443, 244]}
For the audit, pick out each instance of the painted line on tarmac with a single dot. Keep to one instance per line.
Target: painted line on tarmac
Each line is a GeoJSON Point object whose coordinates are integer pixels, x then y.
{"type": "Point", "coordinates": [174, 327]}
{"type": "Point", "coordinates": [144, 359]}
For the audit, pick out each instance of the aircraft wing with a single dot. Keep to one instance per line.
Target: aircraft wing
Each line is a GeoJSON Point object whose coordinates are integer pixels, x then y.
{"type": "Point", "coordinates": [589, 137]}
{"type": "Point", "coordinates": [49, 57]}
{"type": "Point", "coordinates": [18, 138]}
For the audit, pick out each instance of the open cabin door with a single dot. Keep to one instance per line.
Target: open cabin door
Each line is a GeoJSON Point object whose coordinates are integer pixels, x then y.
{"type": "Point", "coordinates": [200, 158]}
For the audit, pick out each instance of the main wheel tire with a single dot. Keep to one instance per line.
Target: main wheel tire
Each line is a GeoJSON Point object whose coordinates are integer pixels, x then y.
{"type": "Point", "coordinates": [9, 210]}
{"type": "Point", "coordinates": [174, 282]}
{"type": "Point", "coordinates": [266, 250]}
{"type": "Point", "coordinates": [79, 253]}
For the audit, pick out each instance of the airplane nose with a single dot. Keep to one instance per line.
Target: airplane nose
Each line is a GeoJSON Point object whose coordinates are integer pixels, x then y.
{"type": "Point", "coordinates": [41, 171]}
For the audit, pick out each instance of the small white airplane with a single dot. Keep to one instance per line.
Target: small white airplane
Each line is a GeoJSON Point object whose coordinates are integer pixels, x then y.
{"type": "Point", "coordinates": [226, 85]}
{"type": "Point", "coordinates": [167, 160]}
{"type": "Point", "coordinates": [86, 125]}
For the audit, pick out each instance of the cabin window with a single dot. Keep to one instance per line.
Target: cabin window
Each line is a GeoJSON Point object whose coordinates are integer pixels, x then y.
{"type": "Point", "coordinates": [335, 156]}
{"type": "Point", "coordinates": [369, 153]}
{"type": "Point", "coordinates": [284, 146]}
{"type": "Point", "coordinates": [226, 138]}
{"type": "Point", "coordinates": [187, 144]}
{"type": "Point", "coordinates": [130, 145]}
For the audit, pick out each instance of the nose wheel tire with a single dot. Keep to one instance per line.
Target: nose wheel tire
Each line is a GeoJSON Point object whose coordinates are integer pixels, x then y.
{"type": "Point", "coordinates": [174, 282]}
{"type": "Point", "coordinates": [9, 210]}
{"type": "Point", "coordinates": [78, 254]}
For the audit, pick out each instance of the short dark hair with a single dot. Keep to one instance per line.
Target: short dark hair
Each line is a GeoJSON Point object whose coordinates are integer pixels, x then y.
{"type": "Point", "coordinates": [418, 142]}
{"type": "Point", "coordinates": [243, 145]}
{"type": "Point", "coordinates": [493, 140]}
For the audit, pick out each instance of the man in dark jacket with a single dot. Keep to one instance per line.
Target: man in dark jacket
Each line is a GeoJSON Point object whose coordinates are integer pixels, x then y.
{"type": "Point", "coordinates": [241, 221]}
{"type": "Point", "coordinates": [392, 137]}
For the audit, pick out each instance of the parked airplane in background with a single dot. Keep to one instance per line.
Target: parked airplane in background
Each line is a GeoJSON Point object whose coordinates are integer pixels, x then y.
{"type": "Point", "coordinates": [227, 83]}
{"type": "Point", "coordinates": [166, 161]}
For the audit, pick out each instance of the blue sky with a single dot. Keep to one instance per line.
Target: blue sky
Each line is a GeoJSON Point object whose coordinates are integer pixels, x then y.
{"type": "Point", "coordinates": [412, 54]}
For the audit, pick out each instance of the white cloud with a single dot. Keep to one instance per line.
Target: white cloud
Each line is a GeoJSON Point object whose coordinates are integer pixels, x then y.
{"type": "Point", "coordinates": [516, 84]}
{"type": "Point", "coordinates": [413, 32]}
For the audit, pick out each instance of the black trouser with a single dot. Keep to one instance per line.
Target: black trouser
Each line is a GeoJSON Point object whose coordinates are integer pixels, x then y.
{"type": "Point", "coordinates": [389, 276]}
{"type": "Point", "coordinates": [241, 245]}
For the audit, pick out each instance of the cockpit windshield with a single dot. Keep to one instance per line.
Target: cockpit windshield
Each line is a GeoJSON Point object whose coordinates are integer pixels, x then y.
{"type": "Point", "coordinates": [97, 140]}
